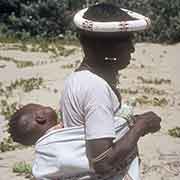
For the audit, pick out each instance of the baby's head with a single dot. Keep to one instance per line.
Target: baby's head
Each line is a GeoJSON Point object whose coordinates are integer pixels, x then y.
{"type": "Point", "coordinates": [31, 122]}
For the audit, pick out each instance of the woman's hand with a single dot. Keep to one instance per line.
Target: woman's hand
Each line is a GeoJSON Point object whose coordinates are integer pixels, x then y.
{"type": "Point", "coordinates": [149, 122]}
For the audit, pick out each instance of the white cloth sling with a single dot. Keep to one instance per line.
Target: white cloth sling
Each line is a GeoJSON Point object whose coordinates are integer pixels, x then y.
{"type": "Point", "coordinates": [62, 153]}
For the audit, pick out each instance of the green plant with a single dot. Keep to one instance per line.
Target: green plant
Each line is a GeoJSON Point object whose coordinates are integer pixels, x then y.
{"type": "Point", "coordinates": [175, 132]}
{"type": "Point", "coordinates": [164, 15]}
{"type": "Point", "coordinates": [154, 91]}
{"type": "Point", "coordinates": [27, 85]}
{"type": "Point", "coordinates": [129, 91]}
{"type": "Point", "coordinates": [159, 102]}
{"type": "Point", "coordinates": [19, 64]}
{"type": "Point", "coordinates": [155, 81]}
{"type": "Point", "coordinates": [155, 101]}
{"type": "Point", "coordinates": [7, 144]}
{"type": "Point", "coordinates": [23, 168]}
{"type": "Point", "coordinates": [7, 109]}
{"type": "Point", "coordinates": [33, 18]}
{"type": "Point", "coordinates": [67, 66]}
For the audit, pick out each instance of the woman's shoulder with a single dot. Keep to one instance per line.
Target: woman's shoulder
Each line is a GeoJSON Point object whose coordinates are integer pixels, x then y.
{"type": "Point", "coordinates": [86, 78]}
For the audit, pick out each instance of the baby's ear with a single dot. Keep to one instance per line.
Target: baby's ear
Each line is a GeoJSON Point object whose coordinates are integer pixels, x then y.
{"type": "Point", "coordinates": [41, 117]}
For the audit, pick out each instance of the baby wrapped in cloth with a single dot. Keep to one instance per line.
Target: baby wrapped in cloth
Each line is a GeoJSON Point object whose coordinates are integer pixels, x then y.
{"type": "Point", "coordinates": [61, 154]}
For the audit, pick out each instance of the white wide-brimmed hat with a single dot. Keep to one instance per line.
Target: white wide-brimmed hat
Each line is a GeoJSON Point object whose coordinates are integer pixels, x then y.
{"type": "Point", "coordinates": [138, 23]}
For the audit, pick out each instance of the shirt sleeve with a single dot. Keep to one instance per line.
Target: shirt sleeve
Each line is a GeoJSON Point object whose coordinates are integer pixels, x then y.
{"type": "Point", "coordinates": [99, 115]}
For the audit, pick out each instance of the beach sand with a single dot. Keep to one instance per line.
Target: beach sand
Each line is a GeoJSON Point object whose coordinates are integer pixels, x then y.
{"type": "Point", "coordinates": [152, 78]}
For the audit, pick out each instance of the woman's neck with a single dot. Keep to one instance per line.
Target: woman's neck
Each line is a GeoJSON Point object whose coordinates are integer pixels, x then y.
{"type": "Point", "coordinates": [104, 71]}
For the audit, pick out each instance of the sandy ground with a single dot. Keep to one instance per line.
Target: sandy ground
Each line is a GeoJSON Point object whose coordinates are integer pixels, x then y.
{"type": "Point", "coordinates": [160, 153]}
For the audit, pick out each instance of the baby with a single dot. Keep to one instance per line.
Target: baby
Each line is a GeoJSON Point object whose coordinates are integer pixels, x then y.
{"type": "Point", "coordinates": [31, 122]}
{"type": "Point", "coordinates": [59, 152]}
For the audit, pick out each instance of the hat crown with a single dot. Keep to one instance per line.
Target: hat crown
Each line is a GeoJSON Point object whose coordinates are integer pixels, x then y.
{"type": "Point", "coordinates": [106, 12]}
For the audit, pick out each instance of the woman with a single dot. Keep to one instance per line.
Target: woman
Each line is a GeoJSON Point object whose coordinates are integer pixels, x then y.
{"type": "Point", "coordinates": [90, 97]}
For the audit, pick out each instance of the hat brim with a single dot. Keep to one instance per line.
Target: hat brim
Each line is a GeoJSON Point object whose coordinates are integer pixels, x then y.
{"type": "Point", "coordinates": [139, 24]}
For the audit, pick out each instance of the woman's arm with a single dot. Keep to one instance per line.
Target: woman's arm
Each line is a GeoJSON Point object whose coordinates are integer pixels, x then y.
{"type": "Point", "coordinates": [146, 123]}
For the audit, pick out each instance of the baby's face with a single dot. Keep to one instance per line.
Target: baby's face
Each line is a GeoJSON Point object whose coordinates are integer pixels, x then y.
{"type": "Point", "coordinates": [43, 118]}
